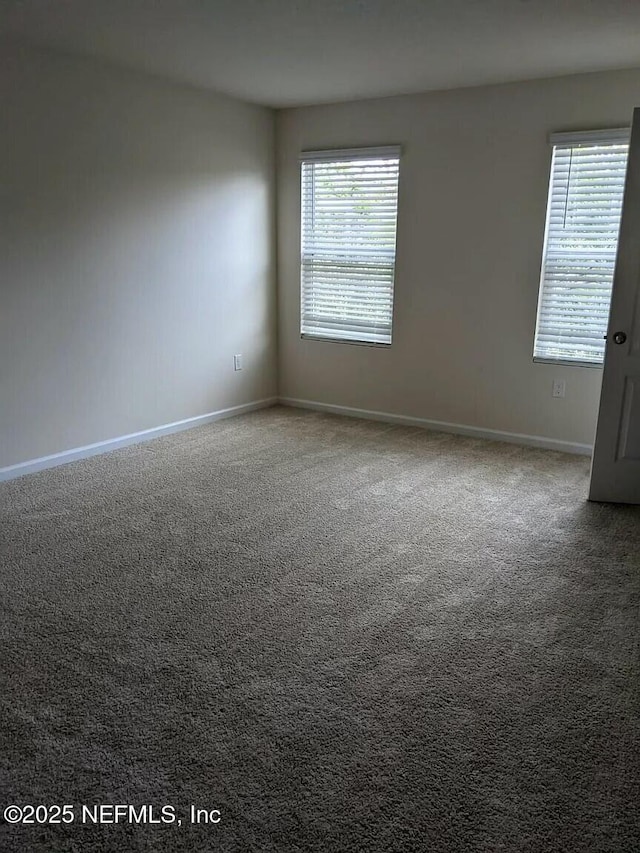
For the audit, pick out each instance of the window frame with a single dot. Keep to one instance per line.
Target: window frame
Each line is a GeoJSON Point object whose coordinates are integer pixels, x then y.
{"type": "Point", "coordinates": [612, 136]}
{"type": "Point", "coordinates": [347, 155]}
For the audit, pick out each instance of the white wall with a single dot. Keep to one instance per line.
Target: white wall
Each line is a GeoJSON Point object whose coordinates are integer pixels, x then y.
{"type": "Point", "coordinates": [473, 190]}
{"type": "Point", "coordinates": [136, 252]}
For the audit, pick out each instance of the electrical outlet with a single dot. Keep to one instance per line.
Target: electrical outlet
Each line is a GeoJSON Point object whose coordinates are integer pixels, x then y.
{"type": "Point", "coordinates": [237, 361]}
{"type": "Point", "coordinates": [559, 388]}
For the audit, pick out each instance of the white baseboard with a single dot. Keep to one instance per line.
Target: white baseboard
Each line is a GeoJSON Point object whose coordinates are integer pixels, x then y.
{"type": "Point", "coordinates": [55, 459]}
{"type": "Point", "coordinates": [33, 465]}
{"type": "Point", "coordinates": [443, 426]}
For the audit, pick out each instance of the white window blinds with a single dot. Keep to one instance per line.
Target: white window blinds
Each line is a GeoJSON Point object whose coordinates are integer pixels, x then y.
{"type": "Point", "coordinates": [349, 211]}
{"type": "Point", "coordinates": [583, 218]}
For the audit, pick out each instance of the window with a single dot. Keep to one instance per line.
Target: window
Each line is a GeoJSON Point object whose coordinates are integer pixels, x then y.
{"type": "Point", "coordinates": [581, 238]}
{"type": "Point", "coordinates": [349, 211]}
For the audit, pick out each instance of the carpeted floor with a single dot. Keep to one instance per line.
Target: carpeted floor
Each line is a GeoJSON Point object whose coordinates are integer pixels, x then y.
{"type": "Point", "coordinates": [345, 636]}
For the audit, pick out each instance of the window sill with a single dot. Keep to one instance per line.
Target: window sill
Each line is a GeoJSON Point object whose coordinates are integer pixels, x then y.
{"type": "Point", "coordinates": [566, 362]}
{"type": "Point", "coordinates": [344, 341]}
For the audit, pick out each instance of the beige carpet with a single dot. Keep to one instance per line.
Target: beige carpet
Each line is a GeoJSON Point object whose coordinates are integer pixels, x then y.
{"type": "Point", "coordinates": [345, 636]}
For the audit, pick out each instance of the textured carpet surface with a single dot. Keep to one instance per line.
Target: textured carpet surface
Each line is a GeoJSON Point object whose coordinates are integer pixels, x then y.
{"type": "Point", "coordinates": [345, 636]}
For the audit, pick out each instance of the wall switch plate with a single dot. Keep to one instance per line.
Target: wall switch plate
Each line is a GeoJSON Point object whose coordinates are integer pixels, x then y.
{"type": "Point", "coordinates": [237, 361]}
{"type": "Point", "coordinates": [559, 388]}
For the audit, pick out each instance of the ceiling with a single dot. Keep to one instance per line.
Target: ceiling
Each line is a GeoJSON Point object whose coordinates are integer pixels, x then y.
{"type": "Point", "coordinates": [290, 52]}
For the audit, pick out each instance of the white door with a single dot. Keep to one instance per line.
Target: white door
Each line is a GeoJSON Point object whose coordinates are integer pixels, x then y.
{"type": "Point", "coordinates": [615, 470]}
